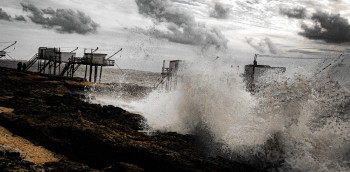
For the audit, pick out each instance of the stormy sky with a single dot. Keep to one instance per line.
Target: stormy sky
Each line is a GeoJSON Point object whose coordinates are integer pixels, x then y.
{"type": "Point", "coordinates": [152, 30]}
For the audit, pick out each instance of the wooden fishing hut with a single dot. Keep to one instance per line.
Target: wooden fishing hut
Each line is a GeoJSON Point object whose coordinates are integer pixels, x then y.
{"type": "Point", "coordinates": [50, 60]}
{"type": "Point", "coordinates": [169, 74]}
{"type": "Point", "coordinates": [253, 71]}
{"type": "Point", "coordinates": [3, 53]}
{"type": "Point", "coordinates": [92, 61]}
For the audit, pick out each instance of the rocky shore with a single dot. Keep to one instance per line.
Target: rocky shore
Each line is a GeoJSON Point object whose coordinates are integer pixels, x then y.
{"type": "Point", "coordinates": [51, 112]}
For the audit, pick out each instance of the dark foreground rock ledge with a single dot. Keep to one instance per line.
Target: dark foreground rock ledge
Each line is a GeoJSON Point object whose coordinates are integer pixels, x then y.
{"type": "Point", "coordinates": [49, 112]}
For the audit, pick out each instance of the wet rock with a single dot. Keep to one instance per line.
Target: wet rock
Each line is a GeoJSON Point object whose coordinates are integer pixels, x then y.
{"type": "Point", "coordinates": [122, 166]}
{"type": "Point", "coordinates": [52, 114]}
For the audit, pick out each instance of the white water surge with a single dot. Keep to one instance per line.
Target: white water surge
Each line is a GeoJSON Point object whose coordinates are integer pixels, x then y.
{"type": "Point", "coordinates": [300, 120]}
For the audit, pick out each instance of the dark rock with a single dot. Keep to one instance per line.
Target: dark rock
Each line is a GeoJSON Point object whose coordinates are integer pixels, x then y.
{"type": "Point", "coordinates": [122, 166]}
{"type": "Point", "coordinates": [49, 111]}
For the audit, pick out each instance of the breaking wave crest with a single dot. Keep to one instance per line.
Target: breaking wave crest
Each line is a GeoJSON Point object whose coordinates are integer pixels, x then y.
{"type": "Point", "coordinates": [297, 122]}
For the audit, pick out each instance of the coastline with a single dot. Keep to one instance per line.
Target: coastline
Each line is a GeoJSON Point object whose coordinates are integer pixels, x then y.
{"type": "Point", "coordinates": [49, 111]}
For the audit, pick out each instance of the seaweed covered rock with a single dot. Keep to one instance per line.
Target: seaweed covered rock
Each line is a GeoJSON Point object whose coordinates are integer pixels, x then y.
{"type": "Point", "coordinates": [49, 111]}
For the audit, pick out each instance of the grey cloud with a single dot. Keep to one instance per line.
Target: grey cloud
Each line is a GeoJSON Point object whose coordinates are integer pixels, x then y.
{"type": "Point", "coordinates": [185, 2]}
{"type": "Point", "coordinates": [303, 52]}
{"type": "Point", "coordinates": [329, 50]}
{"type": "Point", "coordinates": [298, 12]}
{"type": "Point", "coordinates": [49, 10]}
{"type": "Point", "coordinates": [205, 37]}
{"type": "Point", "coordinates": [4, 15]}
{"type": "Point", "coordinates": [260, 47]}
{"type": "Point", "coordinates": [272, 47]}
{"type": "Point", "coordinates": [328, 27]}
{"type": "Point", "coordinates": [20, 18]}
{"type": "Point", "coordinates": [318, 50]}
{"type": "Point", "coordinates": [62, 20]}
{"type": "Point", "coordinates": [220, 11]}
{"type": "Point", "coordinates": [181, 25]}
{"type": "Point", "coordinates": [263, 45]}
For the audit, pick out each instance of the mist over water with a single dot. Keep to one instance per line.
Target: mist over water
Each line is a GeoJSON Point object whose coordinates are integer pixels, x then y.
{"type": "Point", "coordinates": [299, 121]}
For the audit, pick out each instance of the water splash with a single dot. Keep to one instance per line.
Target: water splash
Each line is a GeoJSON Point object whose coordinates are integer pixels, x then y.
{"type": "Point", "coordinates": [299, 122]}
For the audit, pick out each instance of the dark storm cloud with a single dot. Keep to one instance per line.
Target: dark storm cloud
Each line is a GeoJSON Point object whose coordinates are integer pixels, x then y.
{"type": "Point", "coordinates": [20, 18]}
{"type": "Point", "coordinates": [49, 11]}
{"type": "Point", "coordinates": [181, 25]}
{"type": "Point", "coordinates": [62, 20]}
{"type": "Point", "coordinates": [328, 27]}
{"type": "Point", "coordinates": [220, 11]}
{"type": "Point", "coordinates": [298, 12]}
{"type": "Point", "coordinates": [4, 15]}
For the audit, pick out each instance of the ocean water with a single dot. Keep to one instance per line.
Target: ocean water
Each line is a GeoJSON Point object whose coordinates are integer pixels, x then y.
{"type": "Point", "coordinates": [109, 74]}
{"type": "Point", "coordinates": [298, 120]}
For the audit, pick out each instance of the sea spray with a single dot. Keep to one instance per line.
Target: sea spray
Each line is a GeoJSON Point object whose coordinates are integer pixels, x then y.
{"type": "Point", "coordinates": [313, 116]}
{"type": "Point", "coordinates": [300, 122]}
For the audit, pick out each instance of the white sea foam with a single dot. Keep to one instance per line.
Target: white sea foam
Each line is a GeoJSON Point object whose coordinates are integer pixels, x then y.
{"type": "Point", "coordinates": [301, 119]}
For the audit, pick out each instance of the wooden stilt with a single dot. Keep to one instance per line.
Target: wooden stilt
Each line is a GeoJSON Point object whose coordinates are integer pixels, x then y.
{"type": "Point", "coordinates": [95, 75]}
{"type": "Point", "coordinates": [67, 69]}
{"type": "Point", "coordinates": [100, 74]}
{"type": "Point", "coordinates": [72, 70]}
{"type": "Point", "coordinates": [54, 67]}
{"type": "Point", "coordinates": [50, 66]}
{"type": "Point", "coordinates": [38, 66]}
{"type": "Point", "coordinates": [44, 66]}
{"type": "Point", "coordinates": [90, 73]}
{"type": "Point", "coordinates": [85, 71]}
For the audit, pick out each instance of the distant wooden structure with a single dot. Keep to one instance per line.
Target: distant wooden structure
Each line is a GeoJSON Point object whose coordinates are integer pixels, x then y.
{"type": "Point", "coordinates": [170, 75]}
{"type": "Point", "coordinates": [3, 53]}
{"type": "Point", "coordinates": [169, 78]}
{"type": "Point", "coordinates": [254, 71]}
{"type": "Point", "coordinates": [93, 60]}
{"type": "Point", "coordinates": [50, 60]}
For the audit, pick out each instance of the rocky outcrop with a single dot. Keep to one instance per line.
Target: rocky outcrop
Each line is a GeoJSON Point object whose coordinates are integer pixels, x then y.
{"type": "Point", "coordinates": [49, 111]}
{"type": "Point", "coordinates": [11, 160]}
